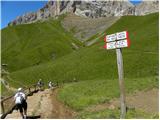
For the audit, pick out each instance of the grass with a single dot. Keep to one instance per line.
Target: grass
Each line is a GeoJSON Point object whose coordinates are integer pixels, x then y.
{"type": "Point", "coordinates": [32, 44]}
{"type": "Point", "coordinates": [90, 67]}
{"type": "Point", "coordinates": [82, 94]}
{"type": "Point", "coordinates": [115, 114]}
{"type": "Point", "coordinates": [94, 68]}
{"type": "Point", "coordinates": [4, 91]}
{"type": "Point", "coordinates": [94, 62]}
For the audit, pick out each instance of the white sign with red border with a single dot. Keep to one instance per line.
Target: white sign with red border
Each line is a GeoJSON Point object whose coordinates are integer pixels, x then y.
{"type": "Point", "coordinates": [122, 35]}
{"type": "Point", "coordinates": [110, 45]}
{"type": "Point", "coordinates": [111, 38]}
{"type": "Point", "coordinates": [117, 40]}
{"type": "Point", "coordinates": [117, 44]}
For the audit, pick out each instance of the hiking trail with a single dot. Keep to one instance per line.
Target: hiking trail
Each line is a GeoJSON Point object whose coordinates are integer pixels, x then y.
{"type": "Point", "coordinates": [44, 104]}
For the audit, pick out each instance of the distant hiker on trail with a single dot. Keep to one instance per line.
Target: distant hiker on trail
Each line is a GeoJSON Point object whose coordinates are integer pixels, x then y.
{"type": "Point", "coordinates": [21, 104]}
{"type": "Point", "coordinates": [40, 84]}
{"type": "Point", "coordinates": [50, 85]}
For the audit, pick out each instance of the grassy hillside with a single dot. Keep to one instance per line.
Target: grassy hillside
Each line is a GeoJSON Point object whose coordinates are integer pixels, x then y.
{"type": "Point", "coordinates": [93, 68]}
{"type": "Point", "coordinates": [33, 44]}
{"type": "Point", "coordinates": [114, 114]}
{"type": "Point", "coordinates": [86, 93]}
{"type": "Point", "coordinates": [94, 62]}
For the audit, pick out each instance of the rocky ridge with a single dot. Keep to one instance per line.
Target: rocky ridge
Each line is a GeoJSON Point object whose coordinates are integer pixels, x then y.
{"type": "Point", "coordinates": [89, 9]}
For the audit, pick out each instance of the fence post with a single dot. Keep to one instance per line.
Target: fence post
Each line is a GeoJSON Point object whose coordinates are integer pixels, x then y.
{"type": "Point", "coordinates": [29, 90]}
{"type": "Point", "coordinates": [35, 87]}
{"type": "Point", "coordinates": [2, 107]}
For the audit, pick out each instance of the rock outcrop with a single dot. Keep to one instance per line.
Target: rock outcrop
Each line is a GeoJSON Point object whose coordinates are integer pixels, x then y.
{"type": "Point", "coordinates": [91, 9]}
{"type": "Point", "coordinates": [147, 7]}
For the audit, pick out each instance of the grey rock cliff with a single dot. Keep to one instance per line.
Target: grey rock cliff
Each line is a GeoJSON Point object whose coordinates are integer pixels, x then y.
{"type": "Point", "coordinates": [91, 9]}
{"type": "Point", "coordinates": [147, 7]}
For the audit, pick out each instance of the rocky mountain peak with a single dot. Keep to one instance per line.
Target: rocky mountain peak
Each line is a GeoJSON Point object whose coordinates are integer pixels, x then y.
{"type": "Point", "coordinates": [87, 8]}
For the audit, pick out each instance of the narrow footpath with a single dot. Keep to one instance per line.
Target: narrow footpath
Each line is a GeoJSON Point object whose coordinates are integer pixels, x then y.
{"type": "Point", "coordinates": [44, 104]}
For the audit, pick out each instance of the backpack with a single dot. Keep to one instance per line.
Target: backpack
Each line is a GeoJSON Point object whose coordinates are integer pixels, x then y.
{"type": "Point", "coordinates": [22, 99]}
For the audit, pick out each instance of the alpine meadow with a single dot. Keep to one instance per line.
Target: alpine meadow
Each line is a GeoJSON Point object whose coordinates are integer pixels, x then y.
{"type": "Point", "coordinates": [87, 76]}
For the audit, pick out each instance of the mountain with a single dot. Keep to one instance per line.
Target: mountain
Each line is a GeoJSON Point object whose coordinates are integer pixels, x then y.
{"type": "Point", "coordinates": [91, 9]}
{"type": "Point", "coordinates": [147, 7]}
{"type": "Point", "coordinates": [87, 75]}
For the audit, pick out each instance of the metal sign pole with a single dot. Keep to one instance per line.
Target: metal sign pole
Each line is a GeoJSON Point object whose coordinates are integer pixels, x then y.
{"type": "Point", "coordinates": [121, 82]}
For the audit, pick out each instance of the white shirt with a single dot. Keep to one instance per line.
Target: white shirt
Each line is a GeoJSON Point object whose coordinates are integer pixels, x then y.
{"type": "Point", "coordinates": [50, 84]}
{"type": "Point", "coordinates": [18, 96]}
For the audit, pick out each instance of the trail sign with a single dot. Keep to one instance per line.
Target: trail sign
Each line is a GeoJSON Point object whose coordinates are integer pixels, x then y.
{"type": "Point", "coordinates": [117, 44]}
{"type": "Point", "coordinates": [110, 38]}
{"type": "Point", "coordinates": [110, 45]}
{"type": "Point", "coordinates": [117, 41]}
{"type": "Point", "coordinates": [122, 43]}
{"type": "Point", "coordinates": [122, 35]}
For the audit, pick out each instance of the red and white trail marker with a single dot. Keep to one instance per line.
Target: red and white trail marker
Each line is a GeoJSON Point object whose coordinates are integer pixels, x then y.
{"type": "Point", "coordinates": [117, 41]}
{"type": "Point", "coordinates": [110, 38]}
{"type": "Point", "coordinates": [117, 44]}
{"type": "Point", "coordinates": [122, 35]}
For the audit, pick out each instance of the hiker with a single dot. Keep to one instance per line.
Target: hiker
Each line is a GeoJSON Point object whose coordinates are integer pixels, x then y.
{"type": "Point", "coordinates": [40, 84]}
{"type": "Point", "coordinates": [21, 104]}
{"type": "Point", "coordinates": [50, 85]}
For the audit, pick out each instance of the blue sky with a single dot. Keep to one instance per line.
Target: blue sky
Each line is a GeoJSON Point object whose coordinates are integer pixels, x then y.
{"type": "Point", "coordinates": [135, 1]}
{"type": "Point", "coordinates": [11, 9]}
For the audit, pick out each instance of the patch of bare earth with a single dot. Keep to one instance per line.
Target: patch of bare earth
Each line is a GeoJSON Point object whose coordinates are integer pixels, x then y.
{"type": "Point", "coordinates": [147, 101]}
{"type": "Point", "coordinates": [60, 110]}
{"type": "Point", "coordinates": [44, 104]}
{"type": "Point", "coordinates": [83, 28]}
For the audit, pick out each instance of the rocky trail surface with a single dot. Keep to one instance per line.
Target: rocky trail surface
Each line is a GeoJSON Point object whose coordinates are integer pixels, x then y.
{"type": "Point", "coordinates": [44, 104]}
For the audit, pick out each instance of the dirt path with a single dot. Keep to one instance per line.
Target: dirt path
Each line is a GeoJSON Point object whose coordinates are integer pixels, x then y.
{"type": "Point", "coordinates": [147, 101]}
{"type": "Point", "coordinates": [60, 110]}
{"type": "Point", "coordinates": [44, 104]}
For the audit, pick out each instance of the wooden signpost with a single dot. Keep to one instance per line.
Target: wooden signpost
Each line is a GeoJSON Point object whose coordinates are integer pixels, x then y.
{"type": "Point", "coordinates": [117, 41]}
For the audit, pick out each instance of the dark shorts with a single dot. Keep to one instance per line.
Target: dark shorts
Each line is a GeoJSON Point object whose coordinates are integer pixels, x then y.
{"type": "Point", "coordinates": [22, 106]}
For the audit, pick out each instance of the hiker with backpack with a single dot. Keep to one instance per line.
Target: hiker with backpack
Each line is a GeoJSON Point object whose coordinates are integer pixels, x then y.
{"type": "Point", "coordinates": [21, 104]}
{"type": "Point", "coordinates": [50, 85]}
{"type": "Point", "coordinates": [40, 85]}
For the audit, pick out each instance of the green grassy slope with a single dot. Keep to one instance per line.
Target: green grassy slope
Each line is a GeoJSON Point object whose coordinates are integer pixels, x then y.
{"type": "Point", "coordinates": [114, 114]}
{"type": "Point", "coordinates": [4, 91]}
{"type": "Point", "coordinates": [33, 44]}
{"type": "Point", "coordinates": [95, 69]}
{"type": "Point", "coordinates": [86, 93]}
{"type": "Point", "coordinates": [94, 62]}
